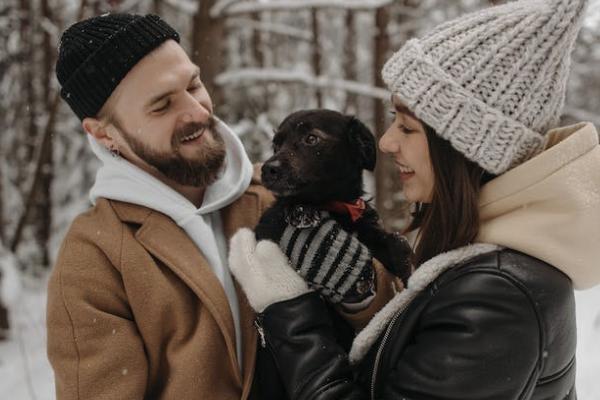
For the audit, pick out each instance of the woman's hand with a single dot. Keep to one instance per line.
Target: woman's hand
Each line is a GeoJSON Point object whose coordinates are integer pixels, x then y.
{"type": "Point", "coordinates": [263, 271]}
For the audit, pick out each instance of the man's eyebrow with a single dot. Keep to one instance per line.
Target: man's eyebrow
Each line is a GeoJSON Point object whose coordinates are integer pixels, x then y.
{"type": "Point", "coordinates": [196, 74]}
{"type": "Point", "coordinates": [159, 97]}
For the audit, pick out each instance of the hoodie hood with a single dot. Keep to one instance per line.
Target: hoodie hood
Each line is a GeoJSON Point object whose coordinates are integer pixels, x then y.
{"type": "Point", "coordinates": [118, 179]}
{"type": "Point", "coordinates": [549, 206]}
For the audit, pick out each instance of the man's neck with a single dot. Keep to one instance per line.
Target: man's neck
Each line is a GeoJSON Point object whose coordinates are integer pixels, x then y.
{"type": "Point", "coordinates": [194, 194]}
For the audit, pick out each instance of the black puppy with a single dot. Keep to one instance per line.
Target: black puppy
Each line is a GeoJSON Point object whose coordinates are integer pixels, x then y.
{"type": "Point", "coordinates": [318, 162]}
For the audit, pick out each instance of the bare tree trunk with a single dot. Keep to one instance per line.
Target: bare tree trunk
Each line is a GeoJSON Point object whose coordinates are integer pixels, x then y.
{"type": "Point", "coordinates": [257, 48]}
{"type": "Point", "coordinates": [27, 39]}
{"type": "Point", "coordinates": [2, 224]}
{"type": "Point", "coordinates": [43, 218]}
{"type": "Point", "coordinates": [4, 322]}
{"type": "Point", "coordinates": [258, 54]}
{"type": "Point", "coordinates": [157, 7]}
{"type": "Point", "coordinates": [383, 187]}
{"type": "Point", "coordinates": [47, 45]}
{"type": "Point", "coordinates": [316, 59]}
{"type": "Point", "coordinates": [41, 158]}
{"type": "Point", "coordinates": [29, 81]}
{"type": "Point", "coordinates": [350, 61]}
{"type": "Point", "coordinates": [37, 175]}
{"type": "Point", "coordinates": [207, 36]}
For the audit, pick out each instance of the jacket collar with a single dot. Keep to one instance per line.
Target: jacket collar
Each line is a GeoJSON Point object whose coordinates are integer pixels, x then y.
{"type": "Point", "coordinates": [419, 280]}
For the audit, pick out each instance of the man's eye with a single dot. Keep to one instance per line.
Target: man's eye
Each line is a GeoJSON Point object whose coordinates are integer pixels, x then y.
{"type": "Point", "coordinates": [311, 139]}
{"type": "Point", "coordinates": [194, 87]}
{"type": "Point", "coordinates": [163, 108]}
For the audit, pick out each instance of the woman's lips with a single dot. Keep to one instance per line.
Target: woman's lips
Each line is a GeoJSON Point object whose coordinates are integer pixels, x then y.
{"type": "Point", "coordinates": [404, 176]}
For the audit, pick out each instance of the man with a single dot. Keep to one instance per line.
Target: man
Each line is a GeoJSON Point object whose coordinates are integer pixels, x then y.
{"type": "Point", "coordinates": [141, 303]}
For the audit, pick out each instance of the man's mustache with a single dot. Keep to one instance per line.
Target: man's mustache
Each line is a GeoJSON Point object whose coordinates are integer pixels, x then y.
{"type": "Point", "coordinates": [191, 128]}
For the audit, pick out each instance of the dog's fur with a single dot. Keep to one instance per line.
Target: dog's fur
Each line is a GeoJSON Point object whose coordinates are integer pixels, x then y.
{"type": "Point", "coordinates": [319, 157]}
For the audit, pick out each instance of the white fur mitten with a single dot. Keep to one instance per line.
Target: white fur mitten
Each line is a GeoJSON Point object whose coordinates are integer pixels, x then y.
{"type": "Point", "coordinates": [263, 271]}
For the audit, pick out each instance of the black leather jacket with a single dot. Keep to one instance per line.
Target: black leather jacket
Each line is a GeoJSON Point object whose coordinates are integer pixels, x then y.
{"type": "Point", "coordinates": [500, 326]}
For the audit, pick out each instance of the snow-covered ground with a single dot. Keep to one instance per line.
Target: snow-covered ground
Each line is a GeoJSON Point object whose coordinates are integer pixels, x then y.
{"type": "Point", "coordinates": [26, 375]}
{"type": "Point", "coordinates": [588, 337]}
{"type": "Point", "coordinates": [24, 369]}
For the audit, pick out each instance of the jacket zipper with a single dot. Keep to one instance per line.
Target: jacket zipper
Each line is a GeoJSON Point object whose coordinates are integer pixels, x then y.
{"type": "Point", "coordinates": [260, 330]}
{"type": "Point", "coordinates": [380, 350]}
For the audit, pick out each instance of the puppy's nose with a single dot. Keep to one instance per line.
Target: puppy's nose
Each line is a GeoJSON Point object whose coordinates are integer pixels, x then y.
{"type": "Point", "coordinates": [271, 169]}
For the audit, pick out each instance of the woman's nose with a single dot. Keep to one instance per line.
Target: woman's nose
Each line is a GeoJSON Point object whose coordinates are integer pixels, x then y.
{"type": "Point", "coordinates": [387, 144]}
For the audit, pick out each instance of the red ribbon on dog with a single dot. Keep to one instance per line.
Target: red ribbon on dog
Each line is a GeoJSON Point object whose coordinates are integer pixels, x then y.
{"type": "Point", "coordinates": [355, 209]}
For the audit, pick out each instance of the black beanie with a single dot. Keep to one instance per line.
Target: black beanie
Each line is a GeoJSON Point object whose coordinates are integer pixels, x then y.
{"type": "Point", "coordinates": [95, 54]}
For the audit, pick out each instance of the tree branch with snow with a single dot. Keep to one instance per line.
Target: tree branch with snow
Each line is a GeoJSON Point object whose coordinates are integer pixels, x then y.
{"type": "Point", "coordinates": [248, 76]}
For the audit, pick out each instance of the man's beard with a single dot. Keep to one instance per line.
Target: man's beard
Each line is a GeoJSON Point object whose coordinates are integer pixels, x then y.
{"type": "Point", "coordinates": [200, 171]}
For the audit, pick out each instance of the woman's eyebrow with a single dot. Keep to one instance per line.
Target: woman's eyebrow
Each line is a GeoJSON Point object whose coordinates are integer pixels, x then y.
{"type": "Point", "coordinates": [401, 108]}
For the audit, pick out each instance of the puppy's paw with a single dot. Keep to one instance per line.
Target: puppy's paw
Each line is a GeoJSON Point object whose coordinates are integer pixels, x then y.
{"type": "Point", "coordinates": [271, 224]}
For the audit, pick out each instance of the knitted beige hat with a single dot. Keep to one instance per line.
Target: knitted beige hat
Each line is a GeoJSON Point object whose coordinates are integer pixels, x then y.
{"type": "Point", "coordinates": [492, 82]}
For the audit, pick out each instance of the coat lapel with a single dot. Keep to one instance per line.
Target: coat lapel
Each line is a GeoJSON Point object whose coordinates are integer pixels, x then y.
{"type": "Point", "coordinates": [171, 245]}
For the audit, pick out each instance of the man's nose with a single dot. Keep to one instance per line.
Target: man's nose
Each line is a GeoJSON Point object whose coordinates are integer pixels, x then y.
{"type": "Point", "coordinates": [195, 111]}
{"type": "Point", "coordinates": [271, 170]}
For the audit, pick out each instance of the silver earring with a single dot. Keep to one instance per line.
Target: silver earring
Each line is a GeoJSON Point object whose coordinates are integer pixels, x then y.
{"type": "Point", "coordinates": [114, 151]}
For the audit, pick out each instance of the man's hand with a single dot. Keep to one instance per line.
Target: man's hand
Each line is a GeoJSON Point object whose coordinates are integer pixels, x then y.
{"type": "Point", "coordinates": [263, 271]}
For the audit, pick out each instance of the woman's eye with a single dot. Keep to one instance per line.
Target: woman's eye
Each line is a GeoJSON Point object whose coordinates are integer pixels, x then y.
{"type": "Point", "coordinates": [311, 139]}
{"type": "Point", "coordinates": [405, 129]}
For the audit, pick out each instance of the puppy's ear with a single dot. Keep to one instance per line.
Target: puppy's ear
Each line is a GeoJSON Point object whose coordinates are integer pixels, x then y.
{"type": "Point", "coordinates": [364, 142]}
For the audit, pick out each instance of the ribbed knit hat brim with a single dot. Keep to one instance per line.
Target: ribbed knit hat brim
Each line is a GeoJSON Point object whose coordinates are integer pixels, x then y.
{"type": "Point", "coordinates": [493, 82]}
{"type": "Point", "coordinates": [481, 133]}
{"type": "Point", "coordinates": [96, 54]}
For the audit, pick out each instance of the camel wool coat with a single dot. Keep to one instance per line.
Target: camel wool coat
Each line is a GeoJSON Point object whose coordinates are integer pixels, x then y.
{"type": "Point", "coordinates": [135, 312]}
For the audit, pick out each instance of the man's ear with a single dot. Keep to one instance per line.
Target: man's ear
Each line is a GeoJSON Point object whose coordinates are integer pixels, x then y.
{"type": "Point", "coordinates": [364, 141]}
{"type": "Point", "coordinates": [98, 130]}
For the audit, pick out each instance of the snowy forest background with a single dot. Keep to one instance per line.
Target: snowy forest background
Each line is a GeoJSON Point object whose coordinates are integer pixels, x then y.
{"type": "Point", "coordinates": [261, 59]}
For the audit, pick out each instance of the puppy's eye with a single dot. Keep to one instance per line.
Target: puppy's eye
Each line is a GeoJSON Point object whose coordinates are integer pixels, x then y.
{"type": "Point", "coordinates": [311, 139]}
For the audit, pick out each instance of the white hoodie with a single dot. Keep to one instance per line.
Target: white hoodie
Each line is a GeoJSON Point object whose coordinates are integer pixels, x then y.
{"type": "Point", "coordinates": [118, 179]}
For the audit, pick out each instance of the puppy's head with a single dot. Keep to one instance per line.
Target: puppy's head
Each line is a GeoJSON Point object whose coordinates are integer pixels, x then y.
{"type": "Point", "coordinates": [319, 156]}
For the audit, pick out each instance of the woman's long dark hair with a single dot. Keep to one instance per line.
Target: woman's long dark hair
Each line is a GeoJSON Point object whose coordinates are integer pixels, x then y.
{"type": "Point", "coordinates": [451, 220]}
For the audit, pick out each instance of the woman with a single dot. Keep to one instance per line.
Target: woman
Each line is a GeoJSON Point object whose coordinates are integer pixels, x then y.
{"type": "Point", "coordinates": [508, 212]}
